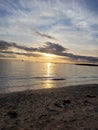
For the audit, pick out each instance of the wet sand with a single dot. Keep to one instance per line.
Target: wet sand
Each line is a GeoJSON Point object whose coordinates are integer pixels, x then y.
{"type": "Point", "coordinates": [68, 108]}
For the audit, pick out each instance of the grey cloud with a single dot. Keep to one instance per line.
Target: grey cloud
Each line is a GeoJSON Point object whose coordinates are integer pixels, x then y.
{"type": "Point", "coordinates": [29, 54]}
{"type": "Point", "coordinates": [85, 58]}
{"type": "Point", "coordinates": [31, 49]}
{"type": "Point", "coordinates": [80, 58]}
{"type": "Point", "coordinates": [48, 47]}
{"type": "Point", "coordinates": [17, 53]}
{"type": "Point", "coordinates": [57, 49]}
{"type": "Point", "coordinates": [53, 48]}
{"type": "Point", "coordinates": [5, 45]}
{"type": "Point", "coordinates": [4, 49]}
{"type": "Point", "coordinates": [46, 36]}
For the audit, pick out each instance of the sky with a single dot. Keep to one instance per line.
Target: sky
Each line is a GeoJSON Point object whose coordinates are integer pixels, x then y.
{"type": "Point", "coordinates": [68, 29]}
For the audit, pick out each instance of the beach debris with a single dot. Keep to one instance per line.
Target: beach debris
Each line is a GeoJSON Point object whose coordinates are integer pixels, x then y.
{"type": "Point", "coordinates": [12, 114]}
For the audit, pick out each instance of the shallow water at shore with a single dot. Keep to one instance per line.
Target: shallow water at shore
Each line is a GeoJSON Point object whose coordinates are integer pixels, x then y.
{"type": "Point", "coordinates": [21, 75]}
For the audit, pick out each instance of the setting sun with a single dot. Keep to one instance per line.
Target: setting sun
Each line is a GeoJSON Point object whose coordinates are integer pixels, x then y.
{"type": "Point", "coordinates": [49, 55]}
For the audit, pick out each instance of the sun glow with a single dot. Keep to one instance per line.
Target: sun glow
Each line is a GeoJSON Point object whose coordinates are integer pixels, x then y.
{"type": "Point", "coordinates": [49, 55]}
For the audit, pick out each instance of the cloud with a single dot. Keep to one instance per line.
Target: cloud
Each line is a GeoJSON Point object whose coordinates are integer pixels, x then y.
{"type": "Point", "coordinates": [4, 45]}
{"type": "Point", "coordinates": [18, 53]}
{"type": "Point", "coordinates": [45, 36]}
{"type": "Point", "coordinates": [79, 58]}
{"type": "Point", "coordinates": [70, 21]}
{"type": "Point", "coordinates": [57, 49]}
{"type": "Point", "coordinates": [13, 49]}
{"type": "Point", "coordinates": [53, 48]}
{"type": "Point", "coordinates": [48, 47]}
{"type": "Point", "coordinates": [29, 49]}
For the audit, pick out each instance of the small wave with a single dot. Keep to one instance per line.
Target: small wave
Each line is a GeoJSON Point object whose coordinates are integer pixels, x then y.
{"type": "Point", "coordinates": [83, 77]}
{"type": "Point", "coordinates": [89, 77]}
{"type": "Point", "coordinates": [24, 78]}
{"type": "Point", "coordinates": [58, 79]}
{"type": "Point", "coordinates": [50, 78]}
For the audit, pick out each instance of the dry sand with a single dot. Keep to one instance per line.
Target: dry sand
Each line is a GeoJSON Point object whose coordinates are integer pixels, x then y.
{"type": "Point", "coordinates": [69, 108]}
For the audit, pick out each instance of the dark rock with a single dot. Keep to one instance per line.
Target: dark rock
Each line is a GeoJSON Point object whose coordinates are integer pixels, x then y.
{"type": "Point", "coordinates": [90, 96]}
{"type": "Point", "coordinates": [12, 114]}
{"type": "Point", "coordinates": [66, 102]}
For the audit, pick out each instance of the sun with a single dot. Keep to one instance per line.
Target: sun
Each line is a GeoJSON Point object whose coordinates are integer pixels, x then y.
{"type": "Point", "coordinates": [49, 55]}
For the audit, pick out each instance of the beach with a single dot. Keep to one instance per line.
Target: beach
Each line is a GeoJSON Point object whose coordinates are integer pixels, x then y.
{"type": "Point", "coordinates": [67, 108]}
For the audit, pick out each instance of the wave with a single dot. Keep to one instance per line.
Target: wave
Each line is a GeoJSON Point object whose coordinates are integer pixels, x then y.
{"type": "Point", "coordinates": [23, 78]}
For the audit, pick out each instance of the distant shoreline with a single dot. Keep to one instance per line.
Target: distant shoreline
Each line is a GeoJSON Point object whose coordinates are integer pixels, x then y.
{"type": "Point", "coordinates": [87, 64]}
{"type": "Point", "coordinates": [66, 108]}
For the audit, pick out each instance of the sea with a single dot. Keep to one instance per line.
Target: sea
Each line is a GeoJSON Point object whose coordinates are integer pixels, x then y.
{"type": "Point", "coordinates": [18, 75]}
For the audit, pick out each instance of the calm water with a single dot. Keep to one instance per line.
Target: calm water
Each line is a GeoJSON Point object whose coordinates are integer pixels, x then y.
{"type": "Point", "coordinates": [18, 75]}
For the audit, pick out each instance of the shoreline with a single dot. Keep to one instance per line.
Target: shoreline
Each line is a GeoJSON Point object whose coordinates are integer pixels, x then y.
{"type": "Point", "coordinates": [69, 86]}
{"type": "Point", "coordinates": [68, 108]}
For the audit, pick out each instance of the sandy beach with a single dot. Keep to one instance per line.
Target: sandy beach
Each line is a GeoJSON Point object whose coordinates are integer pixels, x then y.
{"type": "Point", "coordinates": [68, 108]}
